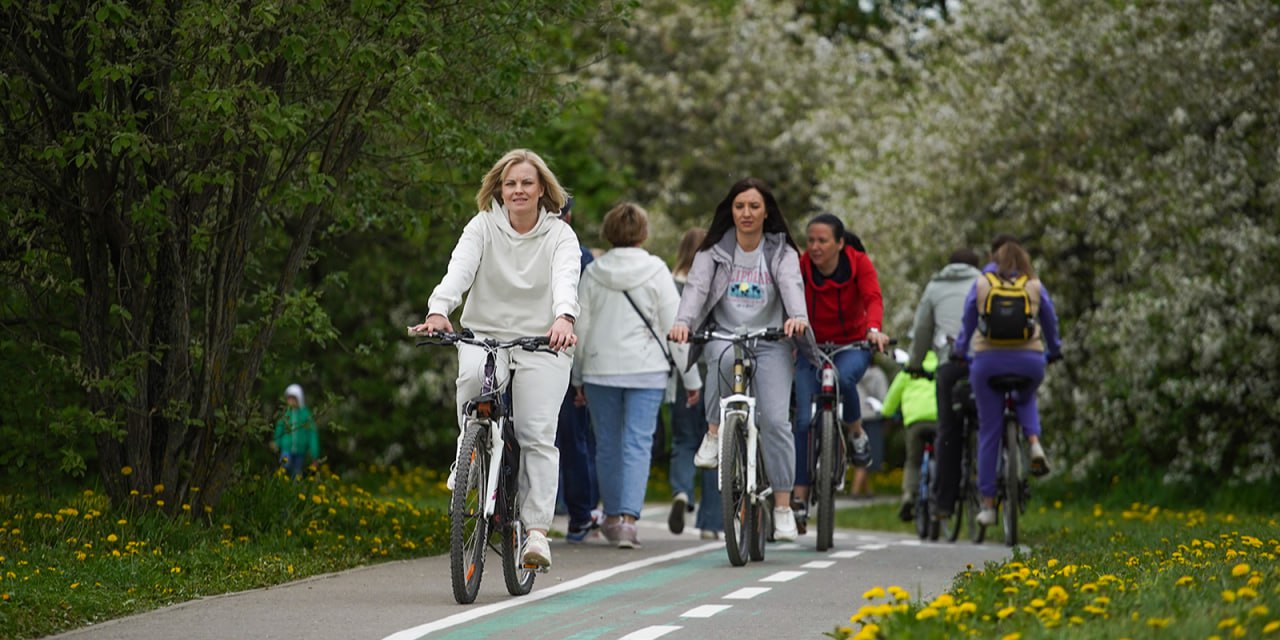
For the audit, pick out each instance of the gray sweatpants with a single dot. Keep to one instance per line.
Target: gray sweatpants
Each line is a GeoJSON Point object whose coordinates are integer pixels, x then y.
{"type": "Point", "coordinates": [774, 372]}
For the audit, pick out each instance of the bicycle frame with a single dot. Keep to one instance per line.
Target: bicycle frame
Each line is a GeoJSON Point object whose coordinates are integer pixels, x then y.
{"type": "Point", "coordinates": [742, 404]}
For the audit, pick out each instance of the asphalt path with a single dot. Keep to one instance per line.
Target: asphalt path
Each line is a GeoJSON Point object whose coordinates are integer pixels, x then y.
{"type": "Point", "coordinates": [674, 587]}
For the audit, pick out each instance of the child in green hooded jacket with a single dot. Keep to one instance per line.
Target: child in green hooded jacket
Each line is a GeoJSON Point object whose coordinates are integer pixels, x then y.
{"type": "Point", "coordinates": [296, 439]}
{"type": "Point", "coordinates": [917, 399]}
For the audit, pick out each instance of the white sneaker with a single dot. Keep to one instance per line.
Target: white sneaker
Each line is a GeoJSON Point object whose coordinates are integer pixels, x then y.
{"type": "Point", "coordinates": [987, 516]}
{"type": "Point", "coordinates": [784, 525]}
{"type": "Point", "coordinates": [1039, 462]}
{"type": "Point", "coordinates": [708, 455]}
{"type": "Point", "coordinates": [537, 553]}
{"type": "Point", "coordinates": [453, 472]}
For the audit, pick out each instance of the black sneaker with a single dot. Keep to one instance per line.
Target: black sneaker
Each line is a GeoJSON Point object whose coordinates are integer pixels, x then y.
{"type": "Point", "coordinates": [675, 521]}
{"type": "Point", "coordinates": [907, 512]}
{"type": "Point", "coordinates": [860, 450]}
{"type": "Point", "coordinates": [801, 511]}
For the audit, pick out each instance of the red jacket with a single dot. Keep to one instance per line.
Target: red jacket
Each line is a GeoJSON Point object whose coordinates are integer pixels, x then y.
{"type": "Point", "coordinates": [843, 312]}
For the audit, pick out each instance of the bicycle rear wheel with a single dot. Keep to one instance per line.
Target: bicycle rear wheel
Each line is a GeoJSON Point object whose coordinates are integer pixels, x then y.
{"type": "Point", "coordinates": [825, 481]}
{"type": "Point", "coordinates": [468, 527]}
{"type": "Point", "coordinates": [735, 502]}
{"type": "Point", "coordinates": [1012, 482]}
{"type": "Point", "coordinates": [762, 513]}
{"type": "Point", "coordinates": [955, 523]}
{"type": "Point", "coordinates": [518, 578]}
{"type": "Point", "coordinates": [927, 527]}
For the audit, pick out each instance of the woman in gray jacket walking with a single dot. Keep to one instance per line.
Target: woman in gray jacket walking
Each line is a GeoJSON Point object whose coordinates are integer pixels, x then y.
{"type": "Point", "coordinates": [747, 274]}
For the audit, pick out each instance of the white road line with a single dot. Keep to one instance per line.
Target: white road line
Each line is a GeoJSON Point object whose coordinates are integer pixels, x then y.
{"type": "Point", "coordinates": [873, 547]}
{"type": "Point", "coordinates": [783, 576]}
{"type": "Point", "coordinates": [787, 546]}
{"type": "Point", "coordinates": [746, 593]}
{"type": "Point", "coordinates": [705, 611]}
{"type": "Point", "coordinates": [649, 633]}
{"type": "Point", "coordinates": [542, 594]}
{"type": "Point", "coordinates": [844, 555]}
{"type": "Point", "coordinates": [818, 564]}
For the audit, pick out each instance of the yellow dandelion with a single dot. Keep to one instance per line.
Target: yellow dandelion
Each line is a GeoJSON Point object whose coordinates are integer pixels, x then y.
{"type": "Point", "coordinates": [926, 613]}
{"type": "Point", "coordinates": [899, 593]}
{"type": "Point", "coordinates": [1005, 612]}
{"type": "Point", "coordinates": [1246, 593]}
{"type": "Point", "coordinates": [1259, 611]}
{"type": "Point", "coordinates": [1271, 627]}
{"type": "Point", "coordinates": [1012, 636]}
{"type": "Point", "coordinates": [873, 593]}
{"type": "Point", "coordinates": [112, 538]}
{"type": "Point", "coordinates": [176, 570]}
{"type": "Point", "coordinates": [1227, 623]}
{"type": "Point", "coordinates": [1228, 596]}
{"type": "Point", "coordinates": [1184, 581]}
{"type": "Point", "coordinates": [944, 600]}
{"type": "Point", "coordinates": [1240, 570]}
{"type": "Point", "coordinates": [1159, 623]}
{"type": "Point", "coordinates": [1057, 595]}
{"type": "Point", "coordinates": [159, 488]}
{"type": "Point", "coordinates": [126, 470]}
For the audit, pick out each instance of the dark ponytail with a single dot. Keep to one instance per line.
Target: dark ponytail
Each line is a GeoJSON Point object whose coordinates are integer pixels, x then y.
{"type": "Point", "coordinates": [838, 230]}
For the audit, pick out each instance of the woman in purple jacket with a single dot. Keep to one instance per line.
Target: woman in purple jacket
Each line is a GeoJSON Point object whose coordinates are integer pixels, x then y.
{"type": "Point", "coordinates": [1023, 358]}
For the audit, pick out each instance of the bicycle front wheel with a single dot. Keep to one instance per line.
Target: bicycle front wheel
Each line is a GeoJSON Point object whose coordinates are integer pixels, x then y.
{"type": "Point", "coordinates": [1012, 482]}
{"type": "Point", "coordinates": [739, 512]}
{"type": "Point", "coordinates": [761, 512]}
{"type": "Point", "coordinates": [825, 479]}
{"type": "Point", "coordinates": [468, 527]}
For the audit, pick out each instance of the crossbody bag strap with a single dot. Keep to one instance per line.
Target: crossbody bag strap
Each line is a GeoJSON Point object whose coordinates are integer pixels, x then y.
{"type": "Point", "coordinates": [667, 354]}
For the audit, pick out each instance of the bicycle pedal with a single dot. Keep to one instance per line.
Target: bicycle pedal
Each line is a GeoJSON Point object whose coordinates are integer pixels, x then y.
{"type": "Point", "coordinates": [534, 567]}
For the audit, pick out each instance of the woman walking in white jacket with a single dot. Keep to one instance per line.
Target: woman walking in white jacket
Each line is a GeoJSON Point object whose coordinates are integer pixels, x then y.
{"type": "Point", "coordinates": [520, 264]}
{"type": "Point", "coordinates": [628, 301]}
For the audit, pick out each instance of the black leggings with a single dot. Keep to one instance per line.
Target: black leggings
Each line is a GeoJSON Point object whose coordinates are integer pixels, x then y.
{"type": "Point", "coordinates": [948, 444]}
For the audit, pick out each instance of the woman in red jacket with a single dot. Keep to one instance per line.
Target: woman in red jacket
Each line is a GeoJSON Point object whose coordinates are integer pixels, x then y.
{"type": "Point", "coordinates": [843, 295]}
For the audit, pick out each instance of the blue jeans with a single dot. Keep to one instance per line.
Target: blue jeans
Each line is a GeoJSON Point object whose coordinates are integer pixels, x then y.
{"type": "Point", "coordinates": [293, 463]}
{"type": "Point", "coordinates": [850, 365]}
{"type": "Point", "coordinates": [577, 462]}
{"type": "Point", "coordinates": [987, 365]}
{"type": "Point", "coordinates": [688, 425]}
{"type": "Point", "coordinates": [623, 420]}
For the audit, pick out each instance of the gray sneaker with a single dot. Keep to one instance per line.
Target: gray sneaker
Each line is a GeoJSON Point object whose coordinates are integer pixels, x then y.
{"type": "Point", "coordinates": [860, 446]}
{"type": "Point", "coordinates": [628, 540]}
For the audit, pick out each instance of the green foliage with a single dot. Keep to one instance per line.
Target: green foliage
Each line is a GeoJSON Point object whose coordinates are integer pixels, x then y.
{"type": "Point", "coordinates": [181, 184]}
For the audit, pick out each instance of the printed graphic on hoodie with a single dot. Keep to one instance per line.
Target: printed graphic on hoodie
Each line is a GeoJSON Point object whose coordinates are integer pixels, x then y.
{"type": "Point", "coordinates": [752, 299]}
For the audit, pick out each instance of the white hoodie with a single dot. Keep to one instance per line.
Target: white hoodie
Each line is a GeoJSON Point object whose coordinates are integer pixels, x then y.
{"type": "Point", "coordinates": [614, 340]}
{"type": "Point", "coordinates": [518, 283]}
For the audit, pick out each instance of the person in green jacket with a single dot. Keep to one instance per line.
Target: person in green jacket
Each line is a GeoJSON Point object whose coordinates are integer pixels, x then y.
{"type": "Point", "coordinates": [296, 436]}
{"type": "Point", "coordinates": [916, 397]}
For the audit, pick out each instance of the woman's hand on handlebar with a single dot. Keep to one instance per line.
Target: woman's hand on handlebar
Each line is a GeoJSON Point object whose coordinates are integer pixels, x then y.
{"type": "Point", "coordinates": [561, 334]}
{"type": "Point", "coordinates": [433, 324]}
{"type": "Point", "coordinates": [880, 340]}
{"type": "Point", "coordinates": [679, 334]}
{"type": "Point", "coordinates": [794, 327]}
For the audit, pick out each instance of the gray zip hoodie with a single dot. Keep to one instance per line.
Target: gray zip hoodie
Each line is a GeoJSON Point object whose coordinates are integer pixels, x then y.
{"type": "Point", "coordinates": [940, 312]}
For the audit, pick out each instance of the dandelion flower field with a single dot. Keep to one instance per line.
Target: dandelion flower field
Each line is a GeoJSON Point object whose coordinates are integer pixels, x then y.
{"type": "Point", "coordinates": [1141, 572]}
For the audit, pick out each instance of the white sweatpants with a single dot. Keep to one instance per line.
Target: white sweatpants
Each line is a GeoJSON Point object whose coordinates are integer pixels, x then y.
{"type": "Point", "coordinates": [536, 394]}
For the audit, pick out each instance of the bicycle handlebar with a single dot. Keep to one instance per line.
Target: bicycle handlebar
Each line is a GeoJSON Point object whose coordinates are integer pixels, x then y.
{"type": "Point", "coordinates": [832, 348]}
{"type": "Point", "coordinates": [466, 336]}
{"type": "Point", "coordinates": [771, 334]}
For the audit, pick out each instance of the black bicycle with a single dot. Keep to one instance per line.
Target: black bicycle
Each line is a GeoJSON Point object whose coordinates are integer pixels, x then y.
{"type": "Point", "coordinates": [1012, 488]}
{"type": "Point", "coordinates": [826, 446]}
{"type": "Point", "coordinates": [488, 457]}
{"type": "Point", "coordinates": [744, 486]}
{"type": "Point", "coordinates": [968, 502]}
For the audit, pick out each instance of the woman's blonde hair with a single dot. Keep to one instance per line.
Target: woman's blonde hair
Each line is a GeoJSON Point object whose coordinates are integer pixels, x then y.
{"type": "Point", "coordinates": [1011, 260]}
{"type": "Point", "coordinates": [553, 195]}
{"type": "Point", "coordinates": [688, 249]}
{"type": "Point", "coordinates": [626, 225]}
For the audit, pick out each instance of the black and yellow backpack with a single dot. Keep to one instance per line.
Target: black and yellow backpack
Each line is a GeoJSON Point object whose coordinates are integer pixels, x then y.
{"type": "Point", "coordinates": [1005, 317]}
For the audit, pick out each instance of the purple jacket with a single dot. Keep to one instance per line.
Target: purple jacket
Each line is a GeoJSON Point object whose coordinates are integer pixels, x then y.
{"type": "Point", "coordinates": [1047, 318]}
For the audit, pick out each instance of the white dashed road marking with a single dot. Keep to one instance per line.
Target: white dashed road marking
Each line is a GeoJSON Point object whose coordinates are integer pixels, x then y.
{"type": "Point", "coordinates": [873, 547]}
{"type": "Point", "coordinates": [783, 576]}
{"type": "Point", "coordinates": [844, 555]}
{"type": "Point", "coordinates": [649, 633]}
{"type": "Point", "coordinates": [705, 611]}
{"type": "Point", "coordinates": [818, 564]}
{"type": "Point", "coordinates": [746, 593]}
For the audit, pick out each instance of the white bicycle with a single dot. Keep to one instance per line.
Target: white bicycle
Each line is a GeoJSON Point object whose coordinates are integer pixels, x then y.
{"type": "Point", "coordinates": [744, 485]}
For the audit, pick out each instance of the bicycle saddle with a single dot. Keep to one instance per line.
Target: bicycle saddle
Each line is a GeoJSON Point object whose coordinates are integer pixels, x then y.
{"type": "Point", "coordinates": [1008, 383]}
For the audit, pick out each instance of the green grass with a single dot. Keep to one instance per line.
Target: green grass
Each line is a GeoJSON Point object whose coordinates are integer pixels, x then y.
{"type": "Point", "coordinates": [76, 560]}
{"type": "Point", "coordinates": [1096, 572]}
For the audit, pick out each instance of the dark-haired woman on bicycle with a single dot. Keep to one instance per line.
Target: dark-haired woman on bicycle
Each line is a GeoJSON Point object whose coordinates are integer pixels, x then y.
{"type": "Point", "coordinates": [746, 274]}
{"type": "Point", "coordinates": [842, 296]}
{"type": "Point", "coordinates": [520, 264]}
